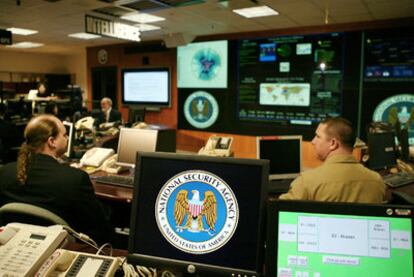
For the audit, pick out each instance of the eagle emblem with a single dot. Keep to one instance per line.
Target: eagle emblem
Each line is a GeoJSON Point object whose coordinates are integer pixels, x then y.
{"type": "Point", "coordinates": [189, 213]}
{"type": "Point", "coordinates": [404, 117]}
{"type": "Point", "coordinates": [200, 109]}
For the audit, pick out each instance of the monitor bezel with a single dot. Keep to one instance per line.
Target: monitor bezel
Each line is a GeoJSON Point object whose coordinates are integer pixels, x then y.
{"type": "Point", "coordinates": [122, 132]}
{"type": "Point", "coordinates": [182, 265]}
{"type": "Point", "coordinates": [146, 104]}
{"type": "Point", "coordinates": [274, 138]}
{"type": "Point", "coordinates": [363, 209]}
{"type": "Point", "coordinates": [70, 135]}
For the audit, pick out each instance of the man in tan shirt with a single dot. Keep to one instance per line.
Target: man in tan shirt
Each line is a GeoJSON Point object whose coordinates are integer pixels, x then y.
{"type": "Point", "coordinates": [341, 178]}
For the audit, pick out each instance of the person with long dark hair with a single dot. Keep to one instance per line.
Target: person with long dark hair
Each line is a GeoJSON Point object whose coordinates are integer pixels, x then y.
{"type": "Point", "coordinates": [38, 178]}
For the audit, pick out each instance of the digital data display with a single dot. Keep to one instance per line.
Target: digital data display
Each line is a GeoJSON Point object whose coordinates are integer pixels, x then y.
{"type": "Point", "coordinates": [290, 80]}
{"type": "Point", "coordinates": [202, 65]}
{"type": "Point", "coordinates": [343, 245]}
{"type": "Point", "coordinates": [389, 56]}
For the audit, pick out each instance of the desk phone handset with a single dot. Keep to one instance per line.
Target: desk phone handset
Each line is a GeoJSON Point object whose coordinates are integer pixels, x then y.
{"type": "Point", "coordinates": [96, 156]}
{"type": "Point", "coordinates": [217, 146]}
{"type": "Point", "coordinates": [25, 247]}
{"type": "Point", "coordinates": [62, 262]}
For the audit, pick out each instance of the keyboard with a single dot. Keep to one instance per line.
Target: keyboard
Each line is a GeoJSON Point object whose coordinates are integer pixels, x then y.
{"type": "Point", "coordinates": [398, 179]}
{"type": "Point", "coordinates": [116, 180]}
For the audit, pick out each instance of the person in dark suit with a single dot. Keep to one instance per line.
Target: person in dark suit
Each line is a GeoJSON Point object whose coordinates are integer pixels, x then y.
{"type": "Point", "coordinates": [38, 178]}
{"type": "Point", "coordinates": [107, 114]}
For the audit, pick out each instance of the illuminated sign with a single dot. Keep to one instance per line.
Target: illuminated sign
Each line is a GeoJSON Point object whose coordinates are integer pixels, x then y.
{"type": "Point", "coordinates": [110, 28]}
{"type": "Point", "coordinates": [5, 37]}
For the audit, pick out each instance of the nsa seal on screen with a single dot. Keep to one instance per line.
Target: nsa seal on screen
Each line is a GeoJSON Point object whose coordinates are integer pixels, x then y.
{"type": "Point", "coordinates": [201, 109]}
{"type": "Point", "coordinates": [397, 109]}
{"type": "Point", "coordinates": [196, 212]}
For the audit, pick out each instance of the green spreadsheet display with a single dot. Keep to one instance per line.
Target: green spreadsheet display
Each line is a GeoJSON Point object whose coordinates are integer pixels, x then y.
{"type": "Point", "coordinates": [319, 245]}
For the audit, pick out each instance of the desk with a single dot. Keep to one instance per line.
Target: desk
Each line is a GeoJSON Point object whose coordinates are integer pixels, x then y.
{"type": "Point", "coordinates": [110, 192]}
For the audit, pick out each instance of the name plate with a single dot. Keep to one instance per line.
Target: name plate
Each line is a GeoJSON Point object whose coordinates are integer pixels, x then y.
{"type": "Point", "coordinates": [110, 28]}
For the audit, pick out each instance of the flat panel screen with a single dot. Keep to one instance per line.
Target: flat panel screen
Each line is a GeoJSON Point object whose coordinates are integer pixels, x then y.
{"type": "Point", "coordinates": [148, 87]}
{"type": "Point", "coordinates": [284, 154]}
{"type": "Point", "coordinates": [337, 239]}
{"type": "Point", "coordinates": [198, 215]}
{"type": "Point", "coordinates": [290, 80]}
{"type": "Point", "coordinates": [202, 65]}
{"type": "Point", "coordinates": [132, 140]}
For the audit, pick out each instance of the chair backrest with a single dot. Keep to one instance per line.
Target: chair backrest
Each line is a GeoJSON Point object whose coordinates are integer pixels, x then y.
{"type": "Point", "coordinates": [28, 213]}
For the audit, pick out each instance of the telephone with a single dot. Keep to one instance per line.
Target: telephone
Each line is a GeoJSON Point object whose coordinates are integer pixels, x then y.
{"type": "Point", "coordinates": [69, 263]}
{"type": "Point", "coordinates": [110, 165]}
{"type": "Point", "coordinates": [85, 123]}
{"type": "Point", "coordinates": [140, 125]}
{"type": "Point", "coordinates": [24, 247]}
{"type": "Point", "coordinates": [96, 156]}
{"type": "Point", "coordinates": [217, 146]}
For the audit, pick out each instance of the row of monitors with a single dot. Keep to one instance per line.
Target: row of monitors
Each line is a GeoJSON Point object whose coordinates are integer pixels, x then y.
{"type": "Point", "coordinates": [269, 147]}
{"type": "Point", "coordinates": [205, 216]}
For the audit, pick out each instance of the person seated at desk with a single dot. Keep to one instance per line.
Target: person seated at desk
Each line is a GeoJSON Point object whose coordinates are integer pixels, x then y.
{"type": "Point", "coordinates": [40, 94]}
{"type": "Point", "coordinates": [38, 178]}
{"type": "Point", "coordinates": [107, 114]}
{"type": "Point", "coordinates": [341, 178]}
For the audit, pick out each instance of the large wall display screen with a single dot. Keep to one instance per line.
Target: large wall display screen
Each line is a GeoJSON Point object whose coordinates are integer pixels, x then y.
{"type": "Point", "coordinates": [202, 65]}
{"type": "Point", "coordinates": [389, 56]}
{"type": "Point", "coordinates": [290, 80]}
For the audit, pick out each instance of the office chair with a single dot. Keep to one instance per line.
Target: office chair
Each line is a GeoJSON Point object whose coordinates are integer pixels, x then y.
{"type": "Point", "coordinates": [28, 213]}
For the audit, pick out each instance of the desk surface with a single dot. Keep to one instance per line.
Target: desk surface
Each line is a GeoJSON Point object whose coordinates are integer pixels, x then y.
{"type": "Point", "coordinates": [110, 192]}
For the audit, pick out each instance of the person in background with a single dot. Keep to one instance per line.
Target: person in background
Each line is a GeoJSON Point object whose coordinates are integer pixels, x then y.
{"type": "Point", "coordinates": [42, 90]}
{"type": "Point", "coordinates": [38, 178]}
{"type": "Point", "coordinates": [107, 114]}
{"type": "Point", "coordinates": [341, 178]}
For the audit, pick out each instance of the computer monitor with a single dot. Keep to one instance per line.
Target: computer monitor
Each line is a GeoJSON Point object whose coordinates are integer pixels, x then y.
{"type": "Point", "coordinates": [284, 154]}
{"type": "Point", "coordinates": [381, 150]}
{"type": "Point", "coordinates": [132, 140]}
{"type": "Point", "coordinates": [146, 87]}
{"type": "Point", "coordinates": [198, 215]}
{"type": "Point", "coordinates": [308, 238]}
{"type": "Point", "coordinates": [71, 135]}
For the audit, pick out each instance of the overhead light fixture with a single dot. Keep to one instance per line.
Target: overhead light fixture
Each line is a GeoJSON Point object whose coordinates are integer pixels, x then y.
{"type": "Point", "coordinates": [25, 44]}
{"type": "Point", "coordinates": [142, 17]}
{"type": "Point", "coordinates": [147, 27]}
{"type": "Point", "coordinates": [21, 31]}
{"type": "Point", "coordinates": [84, 36]}
{"type": "Point", "coordinates": [256, 12]}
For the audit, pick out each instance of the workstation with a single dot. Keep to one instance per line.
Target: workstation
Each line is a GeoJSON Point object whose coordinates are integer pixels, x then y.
{"type": "Point", "coordinates": [223, 115]}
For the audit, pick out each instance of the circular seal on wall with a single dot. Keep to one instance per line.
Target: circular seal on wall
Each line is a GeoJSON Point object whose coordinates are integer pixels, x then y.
{"type": "Point", "coordinates": [398, 108]}
{"type": "Point", "coordinates": [196, 212]}
{"type": "Point", "coordinates": [102, 56]}
{"type": "Point", "coordinates": [201, 109]}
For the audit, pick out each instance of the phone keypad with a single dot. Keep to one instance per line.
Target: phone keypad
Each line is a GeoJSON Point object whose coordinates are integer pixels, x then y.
{"type": "Point", "coordinates": [16, 259]}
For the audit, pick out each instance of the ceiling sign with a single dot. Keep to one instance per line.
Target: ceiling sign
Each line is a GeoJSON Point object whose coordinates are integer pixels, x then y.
{"type": "Point", "coordinates": [110, 28]}
{"type": "Point", "coordinates": [5, 37]}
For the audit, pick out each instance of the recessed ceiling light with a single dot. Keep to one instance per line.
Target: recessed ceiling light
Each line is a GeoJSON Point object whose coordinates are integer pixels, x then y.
{"type": "Point", "coordinates": [25, 44]}
{"type": "Point", "coordinates": [23, 32]}
{"type": "Point", "coordinates": [256, 12]}
{"type": "Point", "coordinates": [147, 27]}
{"type": "Point", "coordinates": [84, 36]}
{"type": "Point", "coordinates": [142, 17]}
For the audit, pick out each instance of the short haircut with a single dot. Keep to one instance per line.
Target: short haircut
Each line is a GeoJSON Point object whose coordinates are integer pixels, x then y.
{"type": "Point", "coordinates": [341, 129]}
{"type": "Point", "coordinates": [107, 99]}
